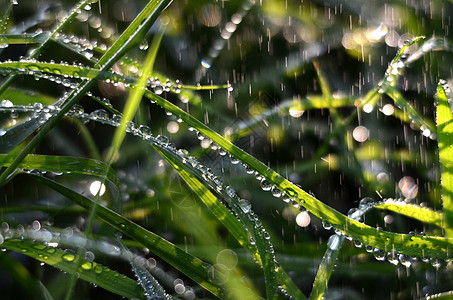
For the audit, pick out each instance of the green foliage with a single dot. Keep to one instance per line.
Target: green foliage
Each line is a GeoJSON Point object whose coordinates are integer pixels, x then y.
{"type": "Point", "coordinates": [154, 182]}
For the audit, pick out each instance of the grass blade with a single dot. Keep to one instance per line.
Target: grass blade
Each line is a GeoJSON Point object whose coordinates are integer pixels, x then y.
{"type": "Point", "coordinates": [186, 263]}
{"type": "Point", "coordinates": [136, 95]}
{"type": "Point", "coordinates": [445, 140]}
{"type": "Point", "coordinates": [141, 24]}
{"type": "Point", "coordinates": [423, 214]}
{"type": "Point", "coordinates": [64, 164]}
{"type": "Point", "coordinates": [67, 262]}
{"type": "Point", "coordinates": [404, 243]}
{"type": "Point", "coordinates": [326, 267]}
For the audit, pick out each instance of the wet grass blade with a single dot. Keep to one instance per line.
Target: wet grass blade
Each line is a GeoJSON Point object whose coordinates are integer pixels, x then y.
{"type": "Point", "coordinates": [64, 164]}
{"type": "Point", "coordinates": [88, 271]}
{"type": "Point", "coordinates": [193, 267]}
{"type": "Point", "coordinates": [326, 267]}
{"type": "Point", "coordinates": [141, 24]}
{"type": "Point", "coordinates": [72, 14]}
{"type": "Point", "coordinates": [423, 214]}
{"type": "Point", "coordinates": [404, 243]}
{"type": "Point", "coordinates": [426, 127]}
{"type": "Point", "coordinates": [445, 140]}
{"type": "Point", "coordinates": [135, 96]}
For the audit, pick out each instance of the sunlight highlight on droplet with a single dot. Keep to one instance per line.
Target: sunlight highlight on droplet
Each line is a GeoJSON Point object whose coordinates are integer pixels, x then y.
{"type": "Point", "coordinates": [295, 112]}
{"type": "Point", "coordinates": [368, 108]}
{"type": "Point", "coordinates": [96, 188]}
{"type": "Point", "coordinates": [172, 127]}
{"type": "Point", "coordinates": [374, 35]}
{"type": "Point", "coordinates": [408, 187]}
{"type": "Point", "coordinates": [303, 219]}
{"type": "Point", "coordinates": [388, 110]}
{"type": "Point", "coordinates": [360, 134]}
{"type": "Point", "coordinates": [205, 64]}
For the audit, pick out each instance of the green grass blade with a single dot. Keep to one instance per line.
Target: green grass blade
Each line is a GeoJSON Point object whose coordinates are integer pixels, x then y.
{"type": "Point", "coordinates": [423, 214]}
{"type": "Point", "coordinates": [186, 263]}
{"type": "Point", "coordinates": [63, 69]}
{"type": "Point", "coordinates": [89, 271]}
{"type": "Point", "coordinates": [72, 14]}
{"type": "Point", "coordinates": [64, 164]}
{"type": "Point", "coordinates": [391, 74]}
{"type": "Point", "coordinates": [136, 95]}
{"type": "Point", "coordinates": [426, 127]}
{"type": "Point", "coordinates": [141, 24]}
{"type": "Point", "coordinates": [235, 227]}
{"type": "Point", "coordinates": [404, 243]}
{"type": "Point", "coordinates": [25, 38]}
{"type": "Point", "coordinates": [326, 267]}
{"type": "Point", "coordinates": [445, 140]}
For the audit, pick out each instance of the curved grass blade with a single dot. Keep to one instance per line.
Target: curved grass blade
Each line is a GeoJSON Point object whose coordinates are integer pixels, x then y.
{"type": "Point", "coordinates": [404, 243]}
{"type": "Point", "coordinates": [141, 24]}
{"type": "Point", "coordinates": [88, 271]}
{"type": "Point", "coordinates": [238, 228]}
{"type": "Point", "coordinates": [444, 118]}
{"type": "Point", "coordinates": [135, 96]}
{"type": "Point", "coordinates": [151, 287]}
{"type": "Point", "coordinates": [426, 127]}
{"type": "Point", "coordinates": [72, 14]}
{"type": "Point", "coordinates": [326, 267]}
{"type": "Point", "coordinates": [64, 164]}
{"type": "Point", "coordinates": [193, 267]}
{"type": "Point", "coordinates": [423, 214]}
{"type": "Point", "coordinates": [73, 71]}
{"type": "Point", "coordinates": [391, 74]}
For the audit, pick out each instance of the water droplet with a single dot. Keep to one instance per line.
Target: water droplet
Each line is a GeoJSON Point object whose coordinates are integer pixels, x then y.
{"type": "Point", "coordinates": [326, 225]}
{"type": "Point", "coordinates": [265, 185]}
{"type": "Point", "coordinates": [379, 254]}
{"type": "Point", "coordinates": [144, 45]}
{"type": "Point", "coordinates": [69, 257]}
{"type": "Point", "coordinates": [230, 191]}
{"type": "Point", "coordinates": [100, 114]}
{"type": "Point", "coordinates": [334, 242]}
{"type": "Point", "coordinates": [366, 203]}
{"type": "Point", "coordinates": [405, 260]}
{"type": "Point", "coordinates": [158, 89]}
{"type": "Point", "coordinates": [245, 205]}
{"type": "Point", "coordinates": [4, 43]}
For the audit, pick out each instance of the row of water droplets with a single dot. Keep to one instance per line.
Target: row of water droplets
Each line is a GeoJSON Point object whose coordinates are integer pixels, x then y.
{"type": "Point", "coordinates": [225, 35]}
{"type": "Point", "coordinates": [390, 79]}
{"type": "Point", "coordinates": [354, 213]}
{"type": "Point", "coordinates": [49, 239]}
{"type": "Point", "coordinates": [239, 206]}
{"type": "Point", "coordinates": [392, 256]}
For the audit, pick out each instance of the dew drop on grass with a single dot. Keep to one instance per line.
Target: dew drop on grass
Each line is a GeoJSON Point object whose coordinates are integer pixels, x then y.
{"type": "Point", "coordinates": [334, 242]}
{"type": "Point", "coordinates": [245, 205]}
{"type": "Point", "coordinates": [68, 257]}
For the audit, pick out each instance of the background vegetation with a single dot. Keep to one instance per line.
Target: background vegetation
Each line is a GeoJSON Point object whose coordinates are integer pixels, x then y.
{"type": "Point", "coordinates": [338, 97]}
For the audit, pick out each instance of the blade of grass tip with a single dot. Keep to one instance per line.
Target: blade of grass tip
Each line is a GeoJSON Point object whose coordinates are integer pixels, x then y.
{"type": "Point", "coordinates": [326, 267]}
{"type": "Point", "coordinates": [89, 271]}
{"type": "Point", "coordinates": [136, 95]}
{"type": "Point", "coordinates": [407, 244]}
{"type": "Point", "coordinates": [445, 139]}
{"type": "Point", "coordinates": [188, 264]}
{"type": "Point", "coordinates": [141, 24]}
{"type": "Point", "coordinates": [36, 52]}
